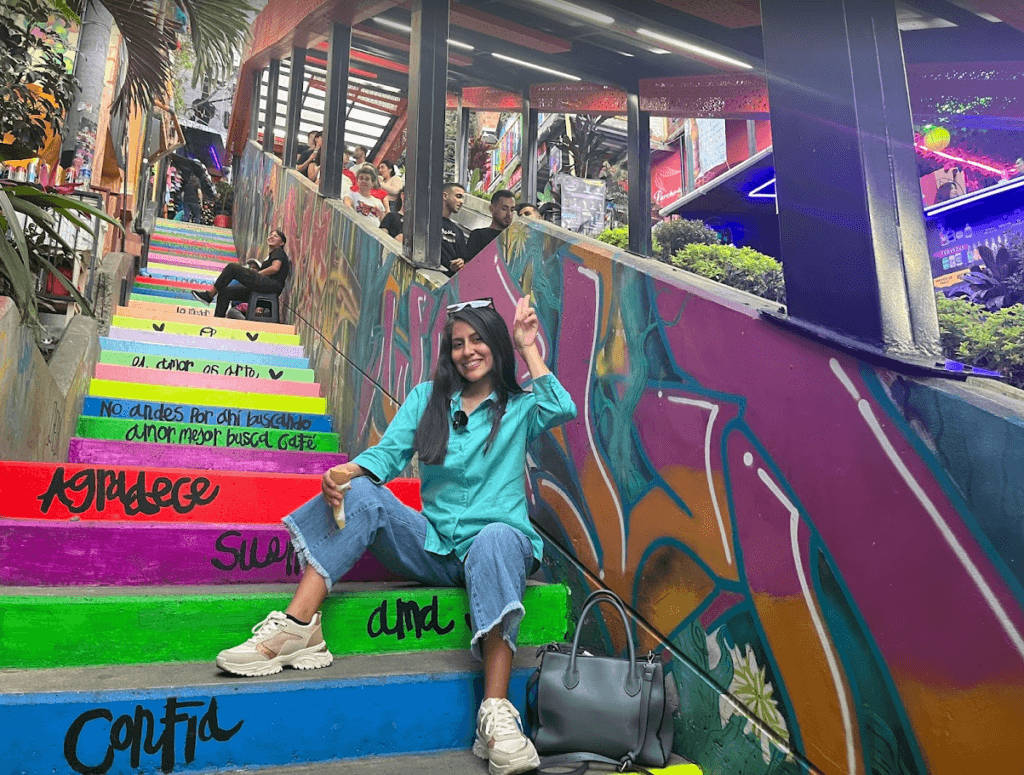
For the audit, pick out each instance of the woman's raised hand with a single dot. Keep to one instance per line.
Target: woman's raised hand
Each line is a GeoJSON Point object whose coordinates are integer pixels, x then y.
{"type": "Point", "coordinates": [526, 325]}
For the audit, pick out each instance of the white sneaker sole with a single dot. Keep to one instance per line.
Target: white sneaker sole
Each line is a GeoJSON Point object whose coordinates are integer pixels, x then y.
{"type": "Point", "coordinates": [306, 659]}
{"type": "Point", "coordinates": [512, 767]}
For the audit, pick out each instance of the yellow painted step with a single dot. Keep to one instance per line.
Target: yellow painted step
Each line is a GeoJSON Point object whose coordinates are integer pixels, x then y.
{"type": "Point", "coordinates": [207, 397]}
{"type": "Point", "coordinates": [205, 329]}
{"type": "Point", "coordinates": [197, 316]}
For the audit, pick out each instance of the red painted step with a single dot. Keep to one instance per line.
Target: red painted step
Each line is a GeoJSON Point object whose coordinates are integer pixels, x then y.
{"type": "Point", "coordinates": [61, 491]}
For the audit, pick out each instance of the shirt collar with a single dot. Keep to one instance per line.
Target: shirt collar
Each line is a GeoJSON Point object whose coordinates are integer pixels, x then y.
{"type": "Point", "coordinates": [456, 400]}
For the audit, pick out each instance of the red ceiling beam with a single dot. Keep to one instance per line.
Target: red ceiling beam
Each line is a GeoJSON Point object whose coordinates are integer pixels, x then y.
{"type": "Point", "coordinates": [733, 95]}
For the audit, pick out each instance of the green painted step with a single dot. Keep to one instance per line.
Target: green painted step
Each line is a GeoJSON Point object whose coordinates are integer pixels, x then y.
{"type": "Point", "coordinates": [223, 368]}
{"type": "Point", "coordinates": [166, 300]}
{"type": "Point", "coordinates": [207, 397]}
{"type": "Point", "coordinates": [194, 434]}
{"type": "Point", "coordinates": [76, 627]}
{"type": "Point", "coordinates": [203, 328]}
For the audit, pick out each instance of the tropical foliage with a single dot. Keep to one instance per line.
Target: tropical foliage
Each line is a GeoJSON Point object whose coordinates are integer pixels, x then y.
{"type": "Point", "coordinates": [998, 283]}
{"type": "Point", "coordinates": [674, 235]}
{"type": "Point", "coordinates": [976, 336]}
{"type": "Point", "coordinates": [742, 268]}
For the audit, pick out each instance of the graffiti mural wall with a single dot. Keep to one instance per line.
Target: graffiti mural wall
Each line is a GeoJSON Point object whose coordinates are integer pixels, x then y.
{"type": "Point", "coordinates": [833, 582]}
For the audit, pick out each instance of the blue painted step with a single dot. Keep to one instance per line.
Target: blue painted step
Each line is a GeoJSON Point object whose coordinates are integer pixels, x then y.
{"type": "Point", "coordinates": [155, 411]}
{"type": "Point", "coordinates": [218, 722]}
{"type": "Point", "coordinates": [199, 353]}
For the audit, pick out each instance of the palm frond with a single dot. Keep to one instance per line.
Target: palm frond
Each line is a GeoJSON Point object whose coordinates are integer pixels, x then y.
{"type": "Point", "coordinates": [220, 31]}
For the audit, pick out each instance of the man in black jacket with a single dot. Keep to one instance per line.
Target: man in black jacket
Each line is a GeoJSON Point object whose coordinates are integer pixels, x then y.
{"type": "Point", "coordinates": [503, 208]}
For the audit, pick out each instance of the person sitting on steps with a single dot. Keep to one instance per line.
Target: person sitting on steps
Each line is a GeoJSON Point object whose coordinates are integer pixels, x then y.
{"type": "Point", "coordinates": [270, 278]}
{"type": "Point", "coordinates": [470, 427]}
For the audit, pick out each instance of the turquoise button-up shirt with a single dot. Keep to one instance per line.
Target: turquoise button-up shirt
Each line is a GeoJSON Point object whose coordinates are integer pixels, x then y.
{"type": "Point", "coordinates": [472, 489]}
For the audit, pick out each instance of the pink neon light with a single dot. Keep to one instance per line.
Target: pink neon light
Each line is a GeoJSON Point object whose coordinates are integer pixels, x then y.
{"type": "Point", "coordinates": [1001, 173]}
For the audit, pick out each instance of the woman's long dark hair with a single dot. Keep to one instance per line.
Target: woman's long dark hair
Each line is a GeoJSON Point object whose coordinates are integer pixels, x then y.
{"type": "Point", "coordinates": [431, 440]}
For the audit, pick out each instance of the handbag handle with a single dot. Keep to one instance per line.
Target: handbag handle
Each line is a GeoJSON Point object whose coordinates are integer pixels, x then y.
{"type": "Point", "coordinates": [571, 678]}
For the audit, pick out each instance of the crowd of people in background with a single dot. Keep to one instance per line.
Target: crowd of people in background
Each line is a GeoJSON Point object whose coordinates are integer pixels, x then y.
{"type": "Point", "coordinates": [378, 195]}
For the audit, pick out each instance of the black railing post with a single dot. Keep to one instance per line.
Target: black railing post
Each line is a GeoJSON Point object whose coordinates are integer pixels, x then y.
{"type": "Point", "coordinates": [332, 150]}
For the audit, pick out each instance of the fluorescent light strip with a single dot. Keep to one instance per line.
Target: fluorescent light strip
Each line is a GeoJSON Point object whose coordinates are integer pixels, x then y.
{"type": "Point", "coordinates": [532, 66]}
{"type": "Point", "coordinates": [406, 28]}
{"type": "Point", "coordinates": [681, 44]}
{"type": "Point", "coordinates": [984, 193]}
{"type": "Point", "coordinates": [1001, 173]}
{"type": "Point", "coordinates": [576, 10]}
{"type": "Point", "coordinates": [758, 193]}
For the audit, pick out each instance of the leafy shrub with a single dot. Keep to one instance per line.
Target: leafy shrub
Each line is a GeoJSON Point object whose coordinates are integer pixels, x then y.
{"type": "Point", "coordinates": [742, 268]}
{"type": "Point", "coordinates": [991, 340]}
{"type": "Point", "coordinates": [673, 236]}
{"type": "Point", "coordinates": [996, 284]}
{"type": "Point", "coordinates": [619, 238]}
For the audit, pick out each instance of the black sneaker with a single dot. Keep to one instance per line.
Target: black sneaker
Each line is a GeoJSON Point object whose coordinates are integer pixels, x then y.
{"type": "Point", "coordinates": [202, 296]}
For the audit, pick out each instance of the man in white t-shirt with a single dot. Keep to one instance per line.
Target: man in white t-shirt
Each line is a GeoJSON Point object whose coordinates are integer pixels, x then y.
{"type": "Point", "coordinates": [361, 200]}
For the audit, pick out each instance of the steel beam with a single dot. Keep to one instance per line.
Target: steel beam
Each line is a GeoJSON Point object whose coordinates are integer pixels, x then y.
{"type": "Point", "coordinates": [270, 115]}
{"type": "Point", "coordinates": [638, 144]}
{"type": "Point", "coordinates": [852, 232]}
{"type": "Point", "coordinates": [332, 150]}
{"type": "Point", "coordinates": [254, 104]}
{"type": "Point", "coordinates": [462, 145]}
{"type": "Point", "coordinates": [528, 154]}
{"type": "Point", "coordinates": [296, 77]}
{"type": "Point", "coordinates": [428, 80]}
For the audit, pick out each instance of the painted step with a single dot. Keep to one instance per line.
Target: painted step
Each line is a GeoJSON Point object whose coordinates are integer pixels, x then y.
{"type": "Point", "coordinates": [201, 352]}
{"type": "Point", "coordinates": [195, 276]}
{"type": "Point", "coordinates": [205, 342]}
{"type": "Point", "coordinates": [196, 435]}
{"type": "Point", "coordinates": [49, 553]}
{"type": "Point", "coordinates": [197, 719]}
{"type": "Point", "coordinates": [162, 311]}
{"type": "Point", "coordinates": [141, 281]}
{"type": "Point", "coordinates": [157, 267]}
{"type": "Point", "coordinates": [186, 262]}
{"type": "Point", "coordinates": [208, 397]}
{"type": "Point", "coordinates": [165, 225]}
{"type": "Point", "coordinates": [106, 493]}
{"type": "Point", "coordinates": [197, 245]}
{"type": "Point", "coordinates": [184, 306]}
{"type": "Point", "coordinates": [77, 627]}
{"type": "Point", "coordinates": [193, 237]}
{"type": "Point", "coordinates": [127, 453]}
{"type": "Point", "coordinates": [208, 329]}
{"type": "Point", "coordinates": [94, 406]}
{"type": "Point", "coordinates": [166, 378]}
{"type": "Point", "coordinates": [189, 366]}
{"type": "Point", "coordinates": [161, 293]}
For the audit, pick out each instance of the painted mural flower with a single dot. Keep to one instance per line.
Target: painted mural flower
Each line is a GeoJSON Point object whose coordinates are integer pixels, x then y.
{"type": "Point", "coordinates": [748, 685]}
{"type": "Point", "coordinates": [515, 241]}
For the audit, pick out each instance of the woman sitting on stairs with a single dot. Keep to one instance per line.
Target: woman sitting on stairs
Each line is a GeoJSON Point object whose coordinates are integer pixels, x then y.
{"type": "Point", "coordinates": [470, 428]}
{"type": "Point", "coordinates": [269, 278]}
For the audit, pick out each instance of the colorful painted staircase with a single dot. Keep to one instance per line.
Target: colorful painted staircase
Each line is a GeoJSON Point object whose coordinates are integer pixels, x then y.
{"type": "Point", "coordinates": [126, 569]}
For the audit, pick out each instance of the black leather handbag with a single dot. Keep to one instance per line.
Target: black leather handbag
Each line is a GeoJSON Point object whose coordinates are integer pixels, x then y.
{"type": "Point", "coordinates": [590, 708]}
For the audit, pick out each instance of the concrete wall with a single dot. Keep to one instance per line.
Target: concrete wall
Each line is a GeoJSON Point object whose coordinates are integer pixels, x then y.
{"type": "Point", "coordinates": [824, 545]}
{"type": "Point", "coordinates": [41, 401]}
{"type": "Point", "coordinates": [113, 268]}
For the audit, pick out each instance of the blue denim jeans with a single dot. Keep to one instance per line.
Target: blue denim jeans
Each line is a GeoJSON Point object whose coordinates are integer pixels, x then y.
{"type": "Point", "coordinates": [493, 573]}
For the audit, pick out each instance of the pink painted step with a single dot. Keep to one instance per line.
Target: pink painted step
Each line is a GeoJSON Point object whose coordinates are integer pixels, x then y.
{"type": "Point", "coordinates": [175, 259]}
{"type": "Point", "coordinates": [200, 380]}
{"type": "Point", "coordinates": [45, 553]}
{"type": "Point", "coordinates": [131, 453]}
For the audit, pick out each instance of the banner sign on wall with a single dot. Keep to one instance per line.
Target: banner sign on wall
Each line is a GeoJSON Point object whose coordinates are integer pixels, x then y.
{"type": "Point", "coordinates": [583, 204]}
{"type": "Point", "coordinates": [708, 137]}
{"type": "Point", "coordinates": [667, 177]}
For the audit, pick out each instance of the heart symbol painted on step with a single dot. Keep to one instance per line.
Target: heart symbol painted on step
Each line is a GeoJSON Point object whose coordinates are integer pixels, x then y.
{"type": "Point", "coordinates": [276, 374]}
{"type": "Point", "coordinates": [159, 326]}
{"type": "Point", "coordinates": [252, 337]}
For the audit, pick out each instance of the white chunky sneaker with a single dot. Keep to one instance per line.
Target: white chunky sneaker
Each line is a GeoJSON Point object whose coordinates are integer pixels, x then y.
{"type": "Point", "coordinates": [500, 739]}
{"type": "Point", "coordinates": [278, 642]}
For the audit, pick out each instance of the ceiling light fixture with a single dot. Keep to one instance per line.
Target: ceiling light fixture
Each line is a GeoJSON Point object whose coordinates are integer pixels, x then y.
{"type": "Point", "coordinates": [532, 66]}
{"type": "Point", "coordinates": [682, 44]}
{"type": "Point", "coordinates": [576, 10]}
{"type": "Point", "coordinates": [407, 28]}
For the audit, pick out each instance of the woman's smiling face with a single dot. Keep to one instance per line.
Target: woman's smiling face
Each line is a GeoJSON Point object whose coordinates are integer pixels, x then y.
{"type": "Point", "coordinates": [472, 357]}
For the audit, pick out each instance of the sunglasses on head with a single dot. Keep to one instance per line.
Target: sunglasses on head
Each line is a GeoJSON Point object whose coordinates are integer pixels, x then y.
{"type": "Point", "coordinates": [475, 304]}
